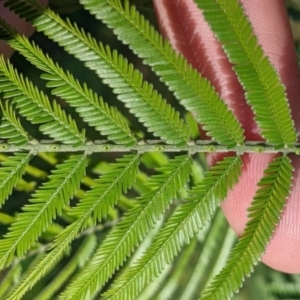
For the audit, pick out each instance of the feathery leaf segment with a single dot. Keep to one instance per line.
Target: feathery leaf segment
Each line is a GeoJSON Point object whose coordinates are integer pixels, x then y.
{"type": "Point", "coordinates": [10, 127]}
{"type": "Point", "coordinates": [115, 71]}
{"type": "Point", "coordinates": [11, 172]}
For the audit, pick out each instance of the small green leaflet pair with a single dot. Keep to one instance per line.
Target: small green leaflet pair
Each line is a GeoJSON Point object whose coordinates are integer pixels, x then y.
{"type": "Point", "coordinates": [107, 194]}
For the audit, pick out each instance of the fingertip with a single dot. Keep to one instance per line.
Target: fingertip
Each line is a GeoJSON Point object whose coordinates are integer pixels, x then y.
{"type": "Point", "coordinates": [283, 254]}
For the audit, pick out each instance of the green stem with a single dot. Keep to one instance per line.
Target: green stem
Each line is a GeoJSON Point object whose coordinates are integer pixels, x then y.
{"type": "Point", "coordinates": [146, 146]}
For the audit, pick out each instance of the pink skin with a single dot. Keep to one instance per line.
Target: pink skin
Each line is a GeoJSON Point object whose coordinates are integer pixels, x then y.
{"type": "Point", "coordinates": [183, 24]}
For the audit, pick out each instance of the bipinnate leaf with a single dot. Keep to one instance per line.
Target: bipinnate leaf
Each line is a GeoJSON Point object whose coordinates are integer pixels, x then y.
{"type": "Point", "coordinates": [47, 202]}
{"type": "Point", "coordinates": [195, 93]}
{"type": "Point", "coordinates": [264, 90]}
{"type": "Point", "coordinates": [131, 230]}
{"type": "Point", "coordinates": [264, 215]}
{"type": "Point", "coordinates": [11, 172]}
{"type": "Point", "coordinates": [179, 229]}
{"type": "Point", "coordinates": [21, 98]}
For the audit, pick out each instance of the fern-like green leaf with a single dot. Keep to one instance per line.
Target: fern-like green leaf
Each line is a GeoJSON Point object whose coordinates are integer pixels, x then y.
{"type": "Point", "coordinates": [179, 229]}
{"type": "Point", "coordinates": [88, 104]}
{"type": "Point", "coordinates": [47, 202]}
{"type": "Point", "coordinates": [104, 194]}
{"type": "Point", "coordinates": [35, 106]}
{"type": "Point", "coordinates": [11, 172]}
{"type": "Point", "coordinates": [138, 95]}
{"type": "Point", "coordinates": [10, 126]}
{"type": "Point", "coordinates": [194, 91]}
{"type": "Point", "coordinates": [264, 91]}
{"type": "Point", "coordinates": [264, 214]}
{"type": "Point", "coordinates": [132, 229]}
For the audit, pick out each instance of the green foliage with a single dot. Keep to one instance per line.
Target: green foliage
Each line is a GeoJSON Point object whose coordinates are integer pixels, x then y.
{"type": "Point", "coordinates": [132, 229]}
{"type": "Point", "coordinates": [95, 217]}
{"type": "Point", "coordinates": [99, 115]}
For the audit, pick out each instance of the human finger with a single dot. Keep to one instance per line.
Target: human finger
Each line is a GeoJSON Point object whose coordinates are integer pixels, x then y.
{"type": "Point", "coordinates": [183, 24]}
